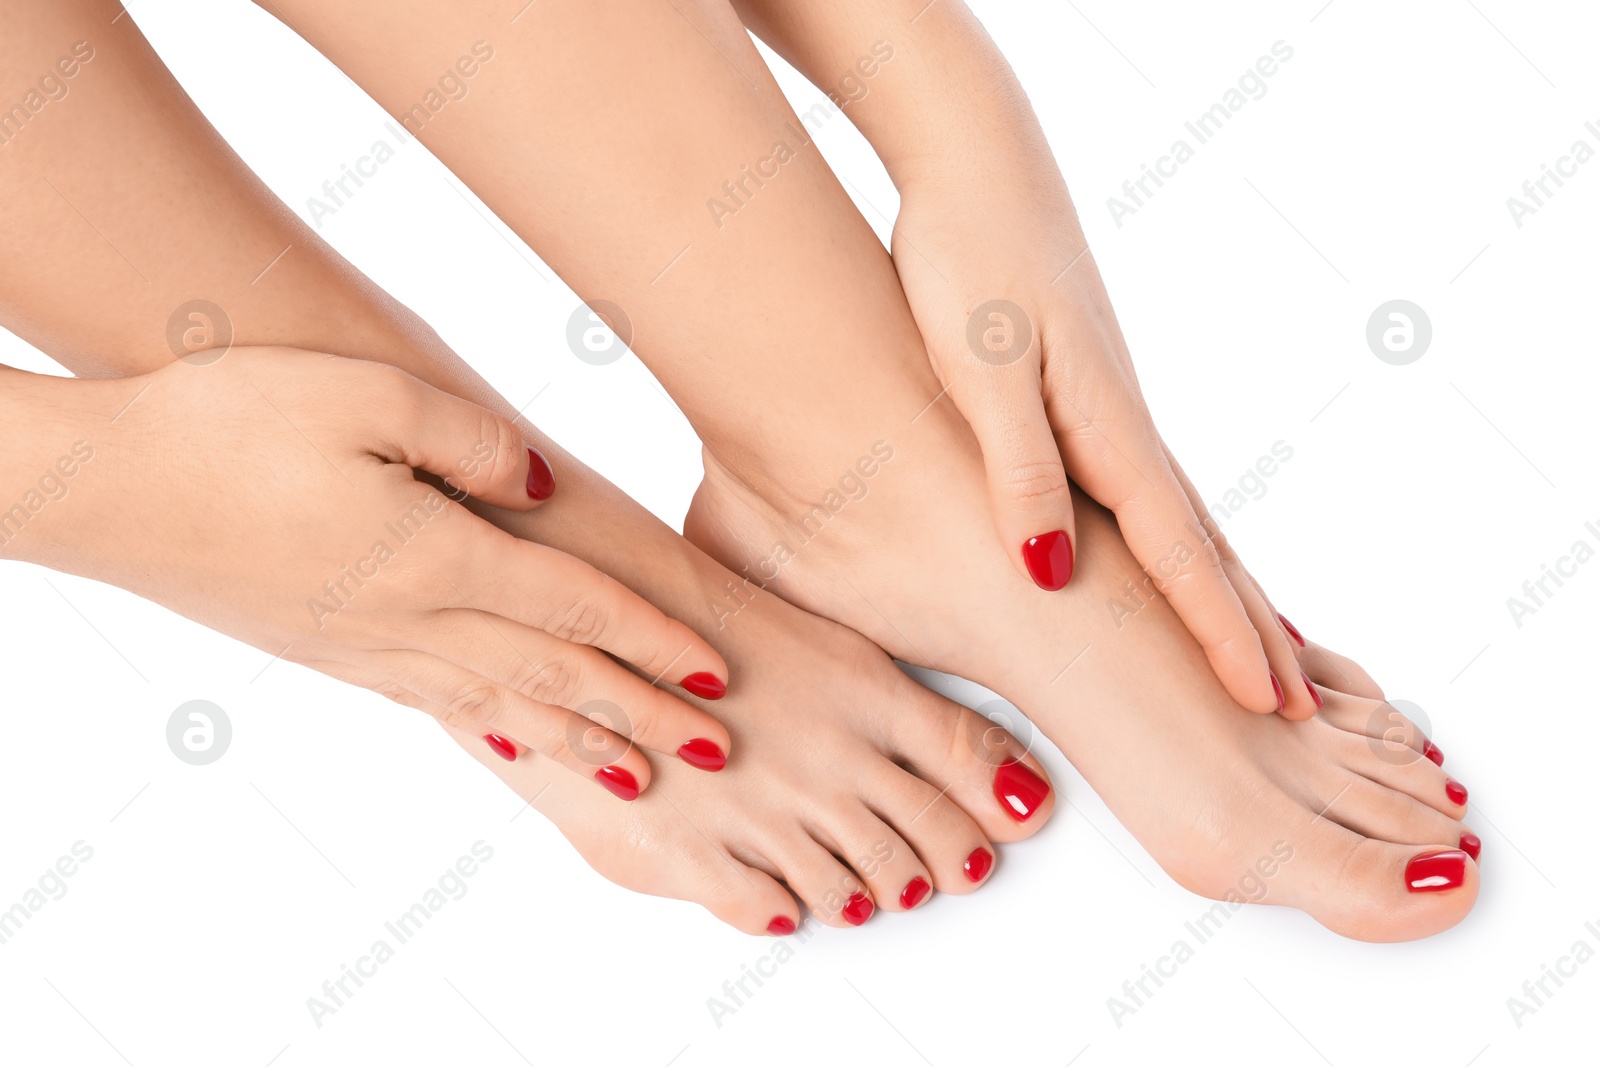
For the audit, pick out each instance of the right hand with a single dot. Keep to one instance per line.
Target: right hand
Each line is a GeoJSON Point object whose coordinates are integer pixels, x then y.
{"type": "Point", "coordinates": [271, 495]}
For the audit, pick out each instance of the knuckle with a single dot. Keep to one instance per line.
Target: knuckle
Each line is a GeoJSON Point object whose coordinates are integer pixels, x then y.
{"type": "Point", "coordinates": [584, 621]}
{"type": "Point", "coordinates": [554, 680]}
{"type": "Point", "coordinates": [399, 694]}
{"type": "Point", "coordinates": [1039, 483]}
{"type": "Point", "coordinates": [477, 703]}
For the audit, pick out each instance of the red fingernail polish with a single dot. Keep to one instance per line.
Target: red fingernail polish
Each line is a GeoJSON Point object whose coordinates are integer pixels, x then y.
{"type": "Point", "coordinates": [619, 780]}
{"type": "Point", "coordinates": [1432, 872]}
{"type": "Point", "coordinates": [978, 864]}
{"type": "Point", "coordinates": [913, 893]}
{"type": "Point", "coordinates": [1431, 750]}
{"type": "Point", "coordinates": [1315, 696]}
{"type": "Point", "coordinates": [1289, 626]}
{"type": "Point", "coordinates": [1455, 791]}
{"type": "Point", "coordinates": [541, 479]}
{"type": "Point", "coordinates": [703, 754]}
{"type": "Point", "coordinates": [858, 909]}
{"type": "Point", "coordinates": [1471, 845]}
{"type": "Point", "coordinates": [503, 748]}
{"type": "Point", "coordinates": [781, 926]}
{"type": "Point", "coordinates": [705, 685]}
{"type": "Point", "coordinates": [1020, 790]}
{"type": "Point", "coordinates": [1277, 690]}
{"type": "Point", "coordinates": [1049, 560]}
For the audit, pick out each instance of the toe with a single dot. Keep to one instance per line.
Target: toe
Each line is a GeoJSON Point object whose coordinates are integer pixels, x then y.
{"type": "Point", "coordinates": [833, 892]}
{"type": "Point", "coordinates": [1377, 811]}
{"type": "Point", "coordinates": [893, 872]}
{"type": "Point", "coordinates": [1407, 771]}
{"type": "Point", "coordinates": [1386, 732]}
{"type": "Point", "coordinates": [941, 833]}
{"type": "Point", "coordinates": [1337, 672]}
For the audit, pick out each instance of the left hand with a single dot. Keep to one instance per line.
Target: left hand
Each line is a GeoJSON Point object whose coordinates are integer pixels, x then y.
{"type": "Point", "coordinates": [1022, 334]}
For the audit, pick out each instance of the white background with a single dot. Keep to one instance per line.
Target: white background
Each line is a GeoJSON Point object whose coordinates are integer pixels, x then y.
{"type": "Point", "coordinates": [1419, 499]}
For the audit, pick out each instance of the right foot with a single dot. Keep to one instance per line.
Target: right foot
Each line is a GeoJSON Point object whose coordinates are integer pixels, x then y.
{"type": "Point", "coordinates": [1354, 824]}
{"type": "Point", "coordinates": [850, 784]}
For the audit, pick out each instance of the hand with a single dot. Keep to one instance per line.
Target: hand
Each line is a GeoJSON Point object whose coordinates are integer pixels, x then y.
{"type": "Point", "coordinates": [1023, 336]}
{"type": "Point", "coordinates": [271, 495]}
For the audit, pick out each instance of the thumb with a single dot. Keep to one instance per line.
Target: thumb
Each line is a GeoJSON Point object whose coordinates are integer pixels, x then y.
{"type": "Point", "coordinates": [1027, 482]}
{"type": "Point", "coordinates": [475, 451]}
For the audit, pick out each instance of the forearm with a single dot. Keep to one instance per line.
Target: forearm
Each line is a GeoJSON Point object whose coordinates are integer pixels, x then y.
{"type": "Point", "coordinates": [923, 82]}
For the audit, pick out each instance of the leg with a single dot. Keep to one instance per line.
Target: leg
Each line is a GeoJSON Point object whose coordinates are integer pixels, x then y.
{"type": "Point", "coordinates": [856, 494]}
{"type": "Point", "coordinates": [819, 797]}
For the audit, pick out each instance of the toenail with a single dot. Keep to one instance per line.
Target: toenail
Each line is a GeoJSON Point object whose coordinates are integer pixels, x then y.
{"type": "Point", "coordinates": [1315, 696]}
{"type": "Point", "coordinates": [858, 909]}
{"type": "Point", "coordinates": [1432, 751]}
{"type": "Point", "coordinates": [1432, 872]}
{"type": "Point", "coordinates": [541, 479]}
{"type": "Point", "coordinates": [703, 754]}
{"type": "Point", "coordinates": [1471, 845]}
{"type": "Point", "coordinates": [782, 926]}
{"type": "Point", "coordinates": [619, 780]}
{"type": "Point", "coordinates": [503, 748]}
{"type": "Point", "coordinates": [1277, 690]}
{"type": "Point", "coordinates": [978, 864]}
{"type": "Point", "coordinates": [1455, 791]}
{"type": "Point", "coordinates": [705, 685]}
{"type": "Point", "coordinates": [1019, 790]}
{"type": "Point", "coordinates": [1289, 626]}
{"type": "Point", "coordinates": [913, 893]}
{"type": "Point", "coordinates": [1049, 560]}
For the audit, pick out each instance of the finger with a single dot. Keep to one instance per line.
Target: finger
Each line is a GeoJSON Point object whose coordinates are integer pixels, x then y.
{"type": "Point", "coordinates": [476, 452]}
{"type": "Point", "coordinates": [582, 679]}
{"type": "Point", "coordinates": [464, 700]}
{"type": "Point", "coordinates": [1300, 697]}
{"type": "Point", "coordinates": [996, 385]}
{"type": "Point", "coordinates": [567, 598]}
{"type": "Point", "coordinates": [1132, 478]}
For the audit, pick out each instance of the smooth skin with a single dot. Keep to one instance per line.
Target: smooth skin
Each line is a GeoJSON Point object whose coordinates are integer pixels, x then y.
{"type": "Point", "coordinates": [860, 786]}
{"type": "Point", "coordinates": [821, 338]}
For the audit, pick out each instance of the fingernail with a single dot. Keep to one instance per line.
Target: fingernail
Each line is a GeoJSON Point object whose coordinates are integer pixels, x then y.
{"type": "Point", "coordinates": [913, 893]}
{"type": "Point", "coordinates": [1049, 560]}
{"type": "Point", "coordinates": [1316, 697]}
{"type": "Point", "coordinates": [619, 780]}
{"type": "Point", "coordinates": [858, 909]}
{"type": "Point", "coordinates": [703, 754]}
{"type": "Point", "coordinates": [1287, 625]}
{"type": "Point", "coordinates": [1471, 845]}
{"type": "Point", "coordinates": [781, 926]}
{"type": "Point", "coordinates": [503, 748]}
{"type": "Point", "coordinates": [1277, 690]}
{"type": "Point", "coordinates": [1455, 791]}
{"type": "Point", "coordinates": [978, 864]}
{"type": "Point", "coordinates": [541, 479]}
{"type": "Point", "coordinates": [1019, 790]}
{"type": "Point", "coordinates": [1432, 872]}
{"type": "Point", "coordinates": [705, 685]}
{"type": "Point", "coordinates": [1433, 752]}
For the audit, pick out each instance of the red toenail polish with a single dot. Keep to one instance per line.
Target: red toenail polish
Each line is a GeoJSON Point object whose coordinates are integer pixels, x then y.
{"type": "Point", "coordinates": [858, 909]}
{"type": "Point", "coordinates": [1471, 845]}
{"type": "Point", "coordinates": [1316, 697]}
{"type": "Point", "coordinates": [1455, 791]}
{"type": "Point", "coordinates": [1289, 626]}
{"type": "Point", "coordinates": [619, 780]}
{"type": "Point", "coordinates": [782, 926]}
{"type": "Point", "coordinates": [541, 479]}
{"type": "Point", "coordinates": [1277, 690]}
{"type": "Point", "coordinates": [1435, 871]}
{"type": "Point", "coordinates": [503, 748]}
{"type": "Point", "coordinates": [978, 864]}
{"type": "Point", "coordinates": [705, 685]}
{"type": "Point", "coordinates": [1049, 560]}
{"type": "Point", "coordinates": [1020, 790]}
{"type": "Point", "coordinates": [1431, 750]}
{"type": "Point", "coordinates": [703, 754]}
{"type": "Point", "coordinates": [913, 893]}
